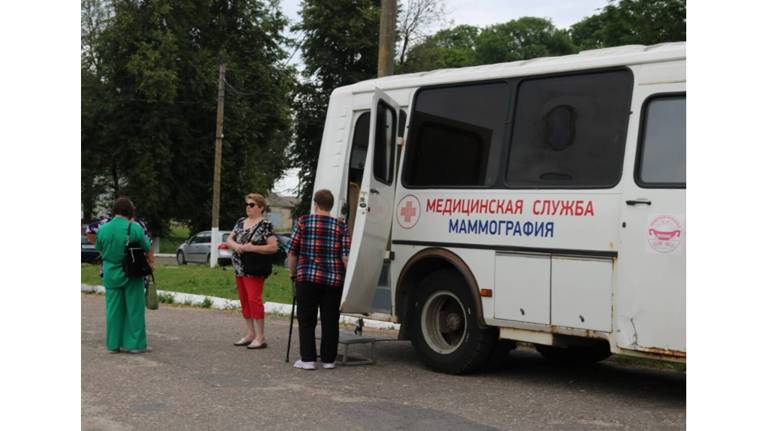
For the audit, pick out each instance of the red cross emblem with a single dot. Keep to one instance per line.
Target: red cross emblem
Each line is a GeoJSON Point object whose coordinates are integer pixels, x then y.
{"type": "Point", "coordinates": [408, 211]}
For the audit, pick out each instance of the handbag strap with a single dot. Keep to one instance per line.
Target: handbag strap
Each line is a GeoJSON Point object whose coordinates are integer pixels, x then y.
{"type": "Point", "coordinates": [128, 237]}
{"type": "Point", "coordinates": [253, 232]}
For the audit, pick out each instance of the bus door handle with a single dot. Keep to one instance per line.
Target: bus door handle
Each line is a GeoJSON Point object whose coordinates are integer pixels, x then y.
{"type": "Point", "coordinates": [639, 202]}
{"type": "Point", "coordinates": [374, 192]}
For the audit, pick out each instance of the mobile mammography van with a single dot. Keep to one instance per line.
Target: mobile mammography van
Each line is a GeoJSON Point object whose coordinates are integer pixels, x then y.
{"type": "Point", "coordinates": [540, 201]}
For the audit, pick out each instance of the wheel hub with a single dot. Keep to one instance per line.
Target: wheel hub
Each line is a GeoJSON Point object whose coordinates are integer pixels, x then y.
{"type": "Point", "coordinates": [453, 321]}
{"type": "Point", "coordinates": [443, 322]}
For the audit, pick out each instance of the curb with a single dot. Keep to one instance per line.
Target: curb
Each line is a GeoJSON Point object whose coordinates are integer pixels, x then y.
{"type": "Point", "coordinates": [231, 304]}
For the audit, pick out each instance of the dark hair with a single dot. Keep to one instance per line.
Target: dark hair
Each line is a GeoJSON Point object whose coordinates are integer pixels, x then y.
{"type": "Point", "coordinates": [324, 199]}
{"type": "Point", "coordinates": [124, 207]}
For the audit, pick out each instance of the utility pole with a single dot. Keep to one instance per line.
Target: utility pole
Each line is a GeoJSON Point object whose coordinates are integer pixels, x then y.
{"type": "Point", "coordinates": [215, 237]}
{"type": "Point", "coordinates": [387, 38]}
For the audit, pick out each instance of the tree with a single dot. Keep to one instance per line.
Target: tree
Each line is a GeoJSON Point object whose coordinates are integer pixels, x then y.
{"type": "Point", "coordinates": [453, 47]}
{"type": "Point", "coordinates": [149, 107]}
{"type": "Point", "coordinates": [626, 22]}
{"type": "Point", "coordinates": [94, 17]}
{"type": "Point", "coordinates": [340, 47]}
{"type": "Point", "coordinates": [521, 39]}
{"type": "Point", "coordinates": [466, 45]}
{"type": "Point", "coordinates": [414, 20]}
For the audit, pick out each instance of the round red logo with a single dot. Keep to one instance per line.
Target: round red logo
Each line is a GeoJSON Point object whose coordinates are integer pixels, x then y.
{"type": "Point", "coordinates": [408, 212]}
{"type": "Point", "coordinates": [664, 234]}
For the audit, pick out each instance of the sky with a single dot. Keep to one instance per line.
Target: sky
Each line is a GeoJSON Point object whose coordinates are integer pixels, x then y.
{"type": "Point", "coordinates": [481, 13]}
{"type": "Point", "coordinates": [563, 13]}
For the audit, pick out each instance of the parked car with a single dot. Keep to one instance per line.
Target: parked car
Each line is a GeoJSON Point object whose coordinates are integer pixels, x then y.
{"type": "Point", "coordinates": [197, 249]}
{"type": "Point", "coordinates": [283, 240]}
{"type": "Point", "coordinates": [88, 252]}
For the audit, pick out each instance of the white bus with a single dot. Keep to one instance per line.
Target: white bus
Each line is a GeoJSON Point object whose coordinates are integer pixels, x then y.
{"type": "Point", "coordinates": [540, 201]}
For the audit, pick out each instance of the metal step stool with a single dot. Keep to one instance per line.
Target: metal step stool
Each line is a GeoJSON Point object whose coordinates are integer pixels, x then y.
{"type": "Point", "coordinates": [346, 339]}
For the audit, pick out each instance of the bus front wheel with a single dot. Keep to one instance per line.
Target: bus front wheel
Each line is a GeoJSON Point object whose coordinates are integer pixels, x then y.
{"type": "Point", "coordinates": [445, 328]}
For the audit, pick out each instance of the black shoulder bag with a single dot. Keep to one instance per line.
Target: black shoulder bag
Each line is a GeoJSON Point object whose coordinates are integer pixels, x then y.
{"type": "Point", "coordinates": [256, 264]}
{"type": "Point", "coordinates": [135, 260]}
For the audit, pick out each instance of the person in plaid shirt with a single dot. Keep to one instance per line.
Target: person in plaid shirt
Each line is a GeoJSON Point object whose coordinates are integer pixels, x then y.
{"type": "Point", "coordinates": [317, 261]}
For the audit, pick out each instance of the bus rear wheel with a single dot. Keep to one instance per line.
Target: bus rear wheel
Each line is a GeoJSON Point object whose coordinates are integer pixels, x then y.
{"type": "Point", "coordinates": [445, 328]}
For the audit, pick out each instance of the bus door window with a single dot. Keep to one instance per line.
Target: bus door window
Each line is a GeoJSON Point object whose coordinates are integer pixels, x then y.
{"type": "Point", "coordinates": [384, 145]}
{"type": "Point", "coordinates": [356, 166]}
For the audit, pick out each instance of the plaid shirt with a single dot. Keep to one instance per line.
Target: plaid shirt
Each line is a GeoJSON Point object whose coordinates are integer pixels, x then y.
{"type": "Point", "coordinates": [320, 242]}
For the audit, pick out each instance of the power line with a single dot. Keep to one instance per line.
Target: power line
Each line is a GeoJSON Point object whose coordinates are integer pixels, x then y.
{"type": "Point", "coordinates": [298, 45]}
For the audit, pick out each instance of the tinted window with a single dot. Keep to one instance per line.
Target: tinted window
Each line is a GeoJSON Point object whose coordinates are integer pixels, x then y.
{"type": "Point", "coordinates": [569, 131]}
{"type": "Point", "coordinates": [359, 148]}
{"type": "Point", "coordinates": [455, 132]}
{"type": "Point", "coordinates": [200, 238]}
{"type": "Point", "coordinates": [662, 145]}
{"type": "Point", "coordinates": [384, 147]}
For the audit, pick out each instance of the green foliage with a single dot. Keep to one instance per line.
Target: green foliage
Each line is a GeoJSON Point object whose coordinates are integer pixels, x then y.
{"type": "Point", "coordinates": [206, 302]}
{"type": "Point", "coordinates": [340, 47]}
{"type": "Point", "coordinates": [453, 47]}
{"type": "Point", "coordinates": [178, 233]}
{"type": "Point", "coordinates": [165, 298]}
{"type": "Point", "coordinates": [149, 89]}
{"type": "Point", "coordinates": [626, 22]}
{"type": "Point", "coordinates": [466, 45]}
{"type": "Point", "coordinates": [521, 39]}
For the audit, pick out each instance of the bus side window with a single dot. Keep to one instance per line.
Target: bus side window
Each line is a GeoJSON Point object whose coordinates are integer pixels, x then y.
{"type": "Point", "coordinates": [456, 136]}
{"type": "Point", "coordinates": [569, 131]}
{"type": "Point", "coordinates": [661, 155]}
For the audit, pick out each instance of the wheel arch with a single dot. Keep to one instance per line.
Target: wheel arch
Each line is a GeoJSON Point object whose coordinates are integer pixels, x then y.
{"type": "Point", "coordinates": [418, 267]}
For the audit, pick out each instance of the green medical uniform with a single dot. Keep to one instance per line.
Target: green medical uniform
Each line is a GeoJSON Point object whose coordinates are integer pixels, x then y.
{"type": "Point", "coordinates": [124, 296]}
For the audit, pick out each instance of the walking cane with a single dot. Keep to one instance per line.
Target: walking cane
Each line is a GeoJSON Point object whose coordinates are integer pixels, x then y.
{"type": "Point", "coordinates": [290, 328]}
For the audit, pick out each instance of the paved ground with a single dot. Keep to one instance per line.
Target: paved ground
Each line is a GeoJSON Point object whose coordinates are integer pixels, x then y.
{"type": "Point", "coordinates": [195, 379]}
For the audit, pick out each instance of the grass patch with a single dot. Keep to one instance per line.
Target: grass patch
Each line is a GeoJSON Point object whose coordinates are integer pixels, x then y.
{"type": "Point", "coordinates": [204, 280]}
{"type": "Point", "coordinates": [166, 298]}
{"type": "Point", "coordinates": [643, 362]}
{"type": "Point", "coordinates": [179, 233]}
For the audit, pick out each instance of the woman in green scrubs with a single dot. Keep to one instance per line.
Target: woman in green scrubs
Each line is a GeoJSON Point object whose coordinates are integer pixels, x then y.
{"type": "Point", "coordinates": [126, 329]}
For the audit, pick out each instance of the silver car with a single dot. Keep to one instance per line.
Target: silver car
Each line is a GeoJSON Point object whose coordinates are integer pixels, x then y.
{"type": "Point", "coordinates": [197, 249]}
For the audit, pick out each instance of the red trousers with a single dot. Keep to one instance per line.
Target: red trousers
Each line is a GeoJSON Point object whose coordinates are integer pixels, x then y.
{"type": "Point", "coordinates": [250, 290]}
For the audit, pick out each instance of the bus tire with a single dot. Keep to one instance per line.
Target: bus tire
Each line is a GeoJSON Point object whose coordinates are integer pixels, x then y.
{"type": "Point", "coordinates": [445, 328]}
{"type": "Point", "coordinates": [575, 355]}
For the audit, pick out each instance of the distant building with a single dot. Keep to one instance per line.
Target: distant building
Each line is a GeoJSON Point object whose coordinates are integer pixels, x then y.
{"type": "Point", "coordinates": [280, 211]}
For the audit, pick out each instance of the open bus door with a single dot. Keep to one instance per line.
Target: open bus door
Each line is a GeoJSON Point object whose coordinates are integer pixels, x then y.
{"type": "Point", "coordinates": [373, 221]}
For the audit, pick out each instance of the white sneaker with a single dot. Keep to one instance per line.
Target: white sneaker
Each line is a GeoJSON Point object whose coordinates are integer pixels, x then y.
{"type": "Point", "coordinates": [329, 365]}
{"type": "Point", "coordinates": [304, 365]}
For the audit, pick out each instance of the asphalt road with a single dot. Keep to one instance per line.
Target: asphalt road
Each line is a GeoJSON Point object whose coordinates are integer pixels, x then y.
{"type": "Point", "coordinates": [195, 379]}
